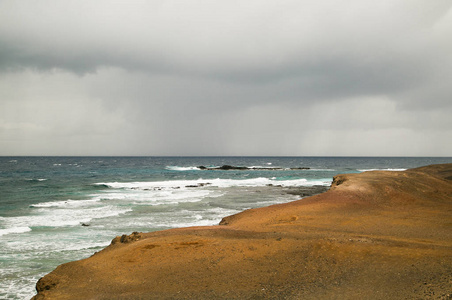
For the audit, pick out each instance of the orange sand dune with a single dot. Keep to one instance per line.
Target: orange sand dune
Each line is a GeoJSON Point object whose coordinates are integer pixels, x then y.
{"type": "Point", "coordinates": [374, 235]}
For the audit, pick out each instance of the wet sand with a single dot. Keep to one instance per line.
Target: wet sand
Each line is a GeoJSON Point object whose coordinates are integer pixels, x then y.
{"type": "Point", "coordinates": [374, 235]}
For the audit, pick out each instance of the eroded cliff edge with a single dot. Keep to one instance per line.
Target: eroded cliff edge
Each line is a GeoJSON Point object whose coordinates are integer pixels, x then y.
{"type": "Point", "coordinates": [374, 235]}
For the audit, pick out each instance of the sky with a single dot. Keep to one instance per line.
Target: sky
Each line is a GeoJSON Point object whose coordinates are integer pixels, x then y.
{"type": "Point", "coordinates": [202, 77]}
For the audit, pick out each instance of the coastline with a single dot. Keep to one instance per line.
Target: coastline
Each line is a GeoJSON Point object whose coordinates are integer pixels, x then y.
{"type": "Point", "coordinates": [376, 235]}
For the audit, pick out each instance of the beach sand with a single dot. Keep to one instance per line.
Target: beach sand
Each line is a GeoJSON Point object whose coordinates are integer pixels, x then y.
{"type": "Point", "coordinates": [374, 235]}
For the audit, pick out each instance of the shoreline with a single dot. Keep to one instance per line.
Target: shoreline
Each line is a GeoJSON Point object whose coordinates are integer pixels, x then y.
{"type": "Point", "coordinates": [378, 234]}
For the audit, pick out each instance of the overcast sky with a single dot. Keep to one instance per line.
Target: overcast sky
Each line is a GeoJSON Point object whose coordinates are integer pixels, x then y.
{"type": "Point", "coordinates": [249, 77]}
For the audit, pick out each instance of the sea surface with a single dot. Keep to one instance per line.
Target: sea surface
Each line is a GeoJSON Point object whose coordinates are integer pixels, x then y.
{"type": "Point", "coordinates": [59, 209]}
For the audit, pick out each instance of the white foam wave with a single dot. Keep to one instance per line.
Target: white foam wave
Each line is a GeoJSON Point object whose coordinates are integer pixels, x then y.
{"type": "Point", "coordinates": [187, 191]}
{"type": "Point", "coordinates": [78, 247]}
{"type": "Point", "coordinates": [205, 183]}
{"type": "Point", "coordinates": [263, 167]}
{"type": "Point", "coordinates": [66, 203]}
{"type": "Point", "coordinates": [268, 166]}
{"type": "Point", "coordinates": [51, 217]}
{"type": "Point", "coordinates": [176, 168]}
{"type": "Point", "coordinates": [187, 218]}
{"type": "Point", "coordinates": [366, 170]}
{"type": "Point", "coordinates": [43, 243]}
{"type": "Point", "coordinates": [156, 197]}
{"type": "Point", "coordinates": [21, 229]}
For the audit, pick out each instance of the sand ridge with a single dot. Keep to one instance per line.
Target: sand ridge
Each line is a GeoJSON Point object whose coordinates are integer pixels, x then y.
{"type": "Point", "coordinates": [373, 235]}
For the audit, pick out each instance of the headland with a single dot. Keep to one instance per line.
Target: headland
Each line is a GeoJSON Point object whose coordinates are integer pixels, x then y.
{"type": "Point", "coordinates": [373, 235]}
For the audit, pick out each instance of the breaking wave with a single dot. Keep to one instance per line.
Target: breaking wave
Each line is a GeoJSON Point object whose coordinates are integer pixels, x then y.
{"type": "Point", "coordinates": [220, 183]}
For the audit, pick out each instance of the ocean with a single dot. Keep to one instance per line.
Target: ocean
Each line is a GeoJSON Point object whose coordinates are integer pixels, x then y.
{"type": "Point", "coordinates": [59, 209]}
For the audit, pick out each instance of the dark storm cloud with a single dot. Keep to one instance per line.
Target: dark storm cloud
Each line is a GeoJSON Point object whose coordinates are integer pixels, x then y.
{"type": "Point", "coordinates": [203, 77]}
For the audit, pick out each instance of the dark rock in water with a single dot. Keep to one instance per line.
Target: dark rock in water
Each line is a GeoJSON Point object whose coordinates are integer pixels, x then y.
{"type": "Point", "coordinates": [223, 167]}
{"type": "Point", "coordinates": [229, 167]}
{"type": "Point", "coordinates": [201, 184]}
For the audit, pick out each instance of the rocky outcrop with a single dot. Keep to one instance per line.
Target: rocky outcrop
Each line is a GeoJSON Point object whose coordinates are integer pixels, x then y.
{"type": "Point", "coordinates": [135, 236]}
{"type": "Point", "coordinates": [374, 235]}
{"type": "Point", "coordinates": [228, 168]}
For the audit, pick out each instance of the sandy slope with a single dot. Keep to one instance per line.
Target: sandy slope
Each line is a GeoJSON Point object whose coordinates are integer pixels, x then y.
{"type": "Point", "coordinates": [374, 235]}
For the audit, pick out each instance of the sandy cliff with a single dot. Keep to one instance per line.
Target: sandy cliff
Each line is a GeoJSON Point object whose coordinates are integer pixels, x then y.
{"type": "Point", "coordinates": [374, 235]}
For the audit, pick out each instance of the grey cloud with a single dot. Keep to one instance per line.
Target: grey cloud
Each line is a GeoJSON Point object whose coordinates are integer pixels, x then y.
{"type": "Point", "coordinates": [226, 77]}
{"type": "Point", "coordinates": [208, 37]}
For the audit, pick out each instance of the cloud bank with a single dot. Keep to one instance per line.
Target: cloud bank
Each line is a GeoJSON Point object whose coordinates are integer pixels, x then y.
{"type": "Point", "coordinates": [226, 78]}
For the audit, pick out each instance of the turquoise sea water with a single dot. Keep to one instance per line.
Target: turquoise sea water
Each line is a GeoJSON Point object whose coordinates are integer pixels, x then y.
{"type": "Point", "coordinates": [59, 209]}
